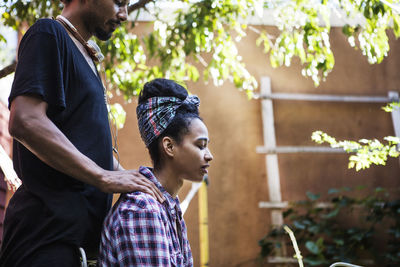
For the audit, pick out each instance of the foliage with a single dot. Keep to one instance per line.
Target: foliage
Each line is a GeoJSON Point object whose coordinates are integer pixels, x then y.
{"type": "Point", "coordinates": [325, 237]}
{"type": "Point", "coordinates": [391, 106]}
{"type": "Point", "coordinates": [7, 53]}
{"type": "Point", "coordinates": [366, 152]}
{"type": "Point", "coordinates": [117, 115]}
{"type": "Point", "coordinates": [203, 35]}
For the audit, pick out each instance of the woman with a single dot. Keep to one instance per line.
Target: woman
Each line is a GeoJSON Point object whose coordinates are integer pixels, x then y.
{"type": "Point", "coordinates": [140, 231]}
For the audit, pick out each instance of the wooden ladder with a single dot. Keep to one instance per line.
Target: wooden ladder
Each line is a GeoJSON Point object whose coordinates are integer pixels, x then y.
{"type": "Point", "coordinates": [271, 150]}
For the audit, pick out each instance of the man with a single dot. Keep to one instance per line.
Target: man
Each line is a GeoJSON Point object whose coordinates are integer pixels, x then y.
{"type": "Point", "coordinates": [62, 143]}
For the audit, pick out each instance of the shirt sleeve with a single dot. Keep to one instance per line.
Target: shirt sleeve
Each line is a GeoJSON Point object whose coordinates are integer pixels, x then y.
{"type": "Point", "coordinates": [138, 239]}
{"type": "Point", "coordinates": [39, 69]}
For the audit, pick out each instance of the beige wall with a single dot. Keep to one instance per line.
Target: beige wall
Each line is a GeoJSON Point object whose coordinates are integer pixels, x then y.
{"type": "Point", "coordinates": [238, 175]}
{"type": "Point", "coordinates": [238, 179]}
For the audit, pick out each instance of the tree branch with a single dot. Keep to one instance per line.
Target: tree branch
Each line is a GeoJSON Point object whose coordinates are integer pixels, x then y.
{"type": "Point", "coordinates": [11, 68]}
{"type": "Point", "coordinates": [138, 5]}
{"type": "Point", "coordinates": [8, 70]}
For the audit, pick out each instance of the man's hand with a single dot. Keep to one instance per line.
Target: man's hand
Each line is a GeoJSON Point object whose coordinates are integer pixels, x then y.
{"type": "Point", "coordinates": [128, 181]}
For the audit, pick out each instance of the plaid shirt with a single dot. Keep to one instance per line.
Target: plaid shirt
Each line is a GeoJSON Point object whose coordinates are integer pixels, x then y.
{"type": "Point", "coordinates": [140, 231]}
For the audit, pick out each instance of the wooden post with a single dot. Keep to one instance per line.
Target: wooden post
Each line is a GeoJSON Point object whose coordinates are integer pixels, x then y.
{"type": "Point", "coordinates": [274, 185]}
{"type": "Point", "coordinates": [203, 225]}
{"type": "Point", "coordinates": [394, 96]}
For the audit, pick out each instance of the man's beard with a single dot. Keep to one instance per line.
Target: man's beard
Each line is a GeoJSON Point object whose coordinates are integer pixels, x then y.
{"type": "Point", "coordinates": [102, 34]}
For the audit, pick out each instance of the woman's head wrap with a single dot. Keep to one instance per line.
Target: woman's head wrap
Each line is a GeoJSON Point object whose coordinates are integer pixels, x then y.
{"type": "Point", "coordinates": [156, 113]}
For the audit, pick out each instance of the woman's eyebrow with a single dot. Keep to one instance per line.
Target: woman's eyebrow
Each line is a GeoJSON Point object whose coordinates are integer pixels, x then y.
{"type": "Point", "coordinates": [203, 139]}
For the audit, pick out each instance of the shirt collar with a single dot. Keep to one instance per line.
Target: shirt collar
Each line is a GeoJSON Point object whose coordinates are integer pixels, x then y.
{"type": "Point", "coordinates": [171, 203]}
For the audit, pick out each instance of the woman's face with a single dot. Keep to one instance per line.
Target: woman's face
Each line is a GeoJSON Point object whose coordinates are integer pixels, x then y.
{"type": "Point", "coordinates": [192, 156]}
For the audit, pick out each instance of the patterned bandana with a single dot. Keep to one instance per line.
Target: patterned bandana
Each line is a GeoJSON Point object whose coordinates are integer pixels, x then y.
{"type": "Point", "coordinates": [156, 113]}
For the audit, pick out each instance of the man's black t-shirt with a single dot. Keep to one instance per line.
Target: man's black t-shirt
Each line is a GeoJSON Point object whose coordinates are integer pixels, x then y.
{"type": "Point", "coordinates": [51, 206]}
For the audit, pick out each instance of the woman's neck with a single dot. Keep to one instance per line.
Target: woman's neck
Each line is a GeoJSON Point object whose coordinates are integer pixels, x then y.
{"type": "Point", "coordinates": [169, 180]}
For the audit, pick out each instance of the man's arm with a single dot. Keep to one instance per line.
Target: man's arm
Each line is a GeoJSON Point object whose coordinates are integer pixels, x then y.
{"type": "Point", "coordinates": [30, 125]}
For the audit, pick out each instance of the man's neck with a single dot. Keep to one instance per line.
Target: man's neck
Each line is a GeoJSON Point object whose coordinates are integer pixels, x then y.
{"type": "Point", "coordinates": [169, 180]}
{"type": "Point", "coordinates": [75, 19]}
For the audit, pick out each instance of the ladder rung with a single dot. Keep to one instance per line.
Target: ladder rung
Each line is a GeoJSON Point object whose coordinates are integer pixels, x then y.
{"type": "Point", "coordinates": [286, 204]}
{"type": "Point", "coordinates": [281, 260]}
{"type": "Point", "coordinates": [273, 205]}
{"type": "Point", "coordinates": [297, 149]}
{"type": "Point", "coordinates": [293, 260]}
{"type": "Point", "coordinates": [329, 98]}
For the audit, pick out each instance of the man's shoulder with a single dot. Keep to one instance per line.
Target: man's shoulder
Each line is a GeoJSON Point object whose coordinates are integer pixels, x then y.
{"type": "Point", "coordinates": [45, 25]}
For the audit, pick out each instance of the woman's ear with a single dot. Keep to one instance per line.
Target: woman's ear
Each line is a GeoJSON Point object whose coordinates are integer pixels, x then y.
{"type": "Point", "coordinates": [168, 145]}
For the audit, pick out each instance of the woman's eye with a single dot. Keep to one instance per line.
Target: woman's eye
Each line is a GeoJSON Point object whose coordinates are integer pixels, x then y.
{"type": "Point", "coordinates": [202, 145]}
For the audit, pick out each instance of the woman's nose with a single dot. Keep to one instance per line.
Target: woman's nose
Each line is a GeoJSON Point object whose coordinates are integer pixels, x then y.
{"type": "Point", "coordinates": [208, 155]}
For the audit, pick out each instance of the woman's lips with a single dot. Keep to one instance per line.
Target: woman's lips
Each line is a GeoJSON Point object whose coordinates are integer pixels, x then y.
{"type": "Point", "coordinates": [204, 168]}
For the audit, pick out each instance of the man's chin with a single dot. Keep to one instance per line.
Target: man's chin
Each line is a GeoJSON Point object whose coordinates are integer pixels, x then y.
{"type": "Point", "coordinates": [102, 35]}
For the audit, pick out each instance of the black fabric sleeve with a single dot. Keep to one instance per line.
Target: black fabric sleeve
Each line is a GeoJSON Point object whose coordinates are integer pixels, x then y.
{"type": "Point", "coordinates": [39, 69]}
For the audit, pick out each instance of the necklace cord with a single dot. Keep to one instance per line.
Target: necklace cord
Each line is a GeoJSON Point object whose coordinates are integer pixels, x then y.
{"type": "Point", "coordinates": [113, 122]}
{"type": "Point", "coordinates": [97, 57]}
{"type": "Point", "coordinates": [89, 48]}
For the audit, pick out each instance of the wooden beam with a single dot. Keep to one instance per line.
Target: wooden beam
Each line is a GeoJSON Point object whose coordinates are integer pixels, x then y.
{"type": "Point", "coordinates": [297, 149]}
{"type": "Point", "coordinates": [326, 98]}
{"type": "Point", "coordinates": [286, 204]}
{"type": "Point", "coordinates": [281, 260]}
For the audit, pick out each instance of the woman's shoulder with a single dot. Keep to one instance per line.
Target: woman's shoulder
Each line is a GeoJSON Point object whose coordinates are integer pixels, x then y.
{"type": "Point", "coordinates": [139, 202]}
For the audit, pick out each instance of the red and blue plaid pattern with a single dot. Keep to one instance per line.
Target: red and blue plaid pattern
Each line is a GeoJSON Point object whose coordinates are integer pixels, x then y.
{"type": "Point", "coordinates": [156, 113]}
{"type": "Point", "coordinates": [140, 231]}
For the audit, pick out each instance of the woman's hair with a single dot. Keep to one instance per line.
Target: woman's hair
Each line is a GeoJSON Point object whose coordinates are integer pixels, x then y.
{"type": "Point", "coordinates": [179, 125]}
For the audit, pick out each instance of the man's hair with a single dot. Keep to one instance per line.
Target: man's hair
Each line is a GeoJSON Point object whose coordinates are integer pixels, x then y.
{"type": "Point", "coordinates": [179, 126]}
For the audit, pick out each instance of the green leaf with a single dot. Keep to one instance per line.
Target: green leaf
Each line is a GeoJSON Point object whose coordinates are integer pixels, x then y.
{"type": "Point", "coordinates": [312, 196]}
{"type": "Point", "coordinates": [348, 30]}
{"type": "Point", "coordinates": [361, 187]}
{"type": "Point", "coordinates": [2, 39]}
{"type": "Point", "coordinates": [339, 242]}
{"type": "Point", "coordinates": [320, 242]}
{"type": "Point", "coordinates": [315, 262]}
{"type": "Point", "coordinates": [312, 247]}
{"type": "Point", "coordinates": [117, 115]}
{"type": "Point", "coordinates": [379, 189]}
{"type": "Point", "coordinates": [332, 214]}
{"type": "Point", "coordinates": [396, 25]}
{"type": "Point", "coordinates": [299, 225]}
{"type": "Point", "coordinates": [333, 191]}
{"type": "Point", "coordinates": [287, 212]}
{"type": "Point", "coordinates": [314, 229]}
